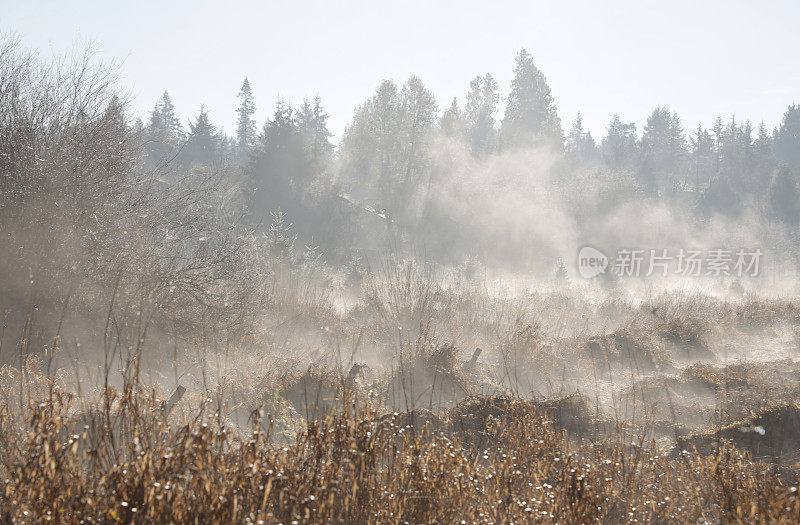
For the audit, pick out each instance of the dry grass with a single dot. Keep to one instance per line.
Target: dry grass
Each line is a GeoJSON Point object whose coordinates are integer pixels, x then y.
{"type": "Point", "coordinates": [343, 469]}
{"type": "Point", "coordinates": [630, 434]}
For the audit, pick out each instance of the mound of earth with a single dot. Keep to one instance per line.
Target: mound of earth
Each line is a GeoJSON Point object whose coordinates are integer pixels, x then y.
{"type": "Point", "coordinates": [772, 433]}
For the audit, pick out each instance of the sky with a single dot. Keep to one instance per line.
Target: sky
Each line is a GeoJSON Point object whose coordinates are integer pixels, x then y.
{"type": "Point", "coordinates": [699, 58]}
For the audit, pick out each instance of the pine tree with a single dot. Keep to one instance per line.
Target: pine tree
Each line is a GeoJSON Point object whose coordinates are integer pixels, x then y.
{"type": "Point", "coordinates": [245, 124]}
{"type": "Point", "coordinates": [748, 152]}
{"type": "Point", "coordinates": [115, 113]}
{"type": "Point", "coordinates": [155, 125]}
{"type": "Point", "coordinates": [531, 111]}
{"type": "Point", "coordinates": [735, 156]}
{"type": "Point", "coordinates": [282, 169]}
{"type": "Point", "coordinates": [281, 165]}
{"type": "Point", "coordinates": [718, 131]}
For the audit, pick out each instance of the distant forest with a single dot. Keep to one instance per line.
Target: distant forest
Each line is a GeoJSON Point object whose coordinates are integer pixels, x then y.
{"type": "Point", "coordinates": [401, 142]}
{"type": "Point", "coordinates": [457, 183]}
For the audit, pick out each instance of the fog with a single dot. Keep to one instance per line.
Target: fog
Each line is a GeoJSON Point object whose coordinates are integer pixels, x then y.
{"type": "Point", "coordinates": [185, 255]}
{"type": "Point", "coordinates": [449, 302]}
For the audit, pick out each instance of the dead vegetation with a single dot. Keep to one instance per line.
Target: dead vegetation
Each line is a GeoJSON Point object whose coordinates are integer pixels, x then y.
{"type": "Point", "coordinates": [499, 459]}
{"type": "Point", "coordinates": [607, 426]}
{"type": "Point", "coordinates": [436, 434]}
{"type": "Point", "coordinates": [428, 375]}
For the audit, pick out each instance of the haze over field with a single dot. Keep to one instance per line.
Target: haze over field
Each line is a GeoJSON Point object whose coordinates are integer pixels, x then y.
{"type": "Point", "coordinates": [401, 263]}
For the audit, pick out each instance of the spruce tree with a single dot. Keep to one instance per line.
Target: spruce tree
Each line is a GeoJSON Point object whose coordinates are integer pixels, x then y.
{"type": "Point", "coordinates": [245, 124]}
{"type": "Point", "coordinates": [531, 113]}
{"type": "Point", "coordinates": [203, 141]}
{"type": "Point", "coordinates": [171, 123]}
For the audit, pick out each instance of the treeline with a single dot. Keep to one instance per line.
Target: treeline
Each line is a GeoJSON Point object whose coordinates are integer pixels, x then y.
{"type": "Point", "coordinates": [387, 162]}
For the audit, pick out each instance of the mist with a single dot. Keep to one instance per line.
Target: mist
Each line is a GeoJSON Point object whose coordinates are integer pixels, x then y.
{"type": "Point", "coordinates": [429, 262]}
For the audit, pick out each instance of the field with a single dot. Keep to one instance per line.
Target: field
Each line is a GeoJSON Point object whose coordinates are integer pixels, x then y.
{"type": "Point", "coordinates": [680, 408]}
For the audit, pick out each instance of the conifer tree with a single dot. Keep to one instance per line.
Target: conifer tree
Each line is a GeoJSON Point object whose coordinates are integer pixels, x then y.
{"type": "Point", "coordinates": [245, 124]}
{"type": "Point", "coordinates": [482, 100]}
{"type": "Point", "coordinates": [531, 113]}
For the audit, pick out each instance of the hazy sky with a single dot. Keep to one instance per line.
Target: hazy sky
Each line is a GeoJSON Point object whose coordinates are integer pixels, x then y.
{"type": "Point", "coordinates": [701, 58]}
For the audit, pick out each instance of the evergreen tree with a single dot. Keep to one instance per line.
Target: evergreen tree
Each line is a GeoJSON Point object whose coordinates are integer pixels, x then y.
{"type": "Point", "coordinates": [720, 198]}
{"type": "Point", "coordinates": [312, 123]}
{"type": "Point", "coordinates": [482, 100]}
{"type": "Point", "coordinates": [279, 170]}
{"type": "Point", "coordinates": [284, 172]}
{"type": "Point", "coordinates": [164, 134]}
{"type": "Point", "coordinates": [663, 149]}
{"type": "Point", "coordinates": [763, 160]}
{"type": "Point", "coordinates": [138, 127]}
{"type": "Point", "coordinates": [704, 157]}
{"type": "Point", "coordinates": [787, 137]}
{"type": "Point", "coordinates": [580, 146]}
{"type": "Point", "coordinates": [371, 144]}
{"type": "Point", "coordinates": [158, 146]}
{"type": "Point", "coordinates": [785, 196]}
{"type": "Point", "coordinates": [155, 126]}
{"type": "Point", "coordinates": [115, 114]}
{"type": "Point", "coordinates": [245, 124]}
{"type": "Point", "coordinates": [747, 145]}
{"type": "Point", "coordinates": [452, 121]}
{"type": "Point", "coordinates": [619, 146]}
{"type": "Point", "coordinates": [718, 132]}
{"type": "Point", "coordinates": [735, 156]}
{"type": "Point", "coordinates": [203, 142]}
{"type": "Point", "coordinates": [531, 111]}
{"type": "Point", "coordinates": [171, 123]}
